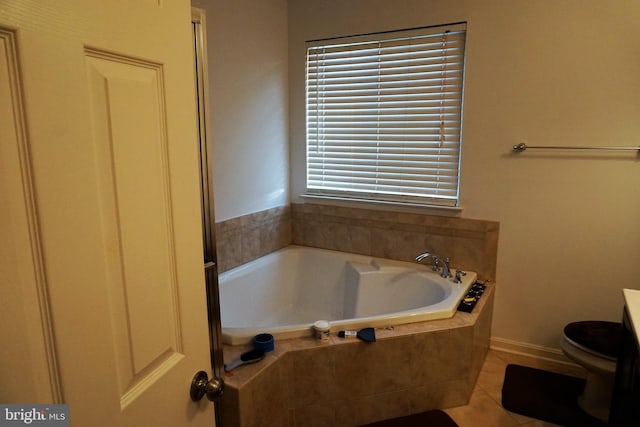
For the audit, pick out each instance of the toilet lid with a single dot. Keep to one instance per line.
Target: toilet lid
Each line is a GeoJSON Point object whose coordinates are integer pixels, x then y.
{"type": "Point", "coordinates": [598, 336]}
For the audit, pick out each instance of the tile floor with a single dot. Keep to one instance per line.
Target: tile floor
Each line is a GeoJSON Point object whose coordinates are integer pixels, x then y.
{"type": "Point", "coordinates": [484, 408]}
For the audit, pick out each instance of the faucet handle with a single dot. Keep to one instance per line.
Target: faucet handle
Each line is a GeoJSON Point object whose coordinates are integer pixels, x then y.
{"type": "Point", "coordinates": [459, 274]}
{"type": "Point", "coordinates": [446, 270]}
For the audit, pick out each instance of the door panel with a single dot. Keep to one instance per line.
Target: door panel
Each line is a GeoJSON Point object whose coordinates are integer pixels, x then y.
{"type": "Point", "coordinates": [127, 105]}
{"type": "Point", "coordinates": [112, 136]}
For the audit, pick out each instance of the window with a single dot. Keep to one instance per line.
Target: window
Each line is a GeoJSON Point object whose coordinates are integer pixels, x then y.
{"type": "Point", "coordinates": [384, 115]}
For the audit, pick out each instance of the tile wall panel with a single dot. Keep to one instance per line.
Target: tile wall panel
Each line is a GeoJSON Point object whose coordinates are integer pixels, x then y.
{"type": "Point", "coordinates": [469, 244]}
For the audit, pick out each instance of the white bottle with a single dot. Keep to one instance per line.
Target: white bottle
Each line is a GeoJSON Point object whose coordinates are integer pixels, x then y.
{"type": "Point", "coordinates": [322, 330]}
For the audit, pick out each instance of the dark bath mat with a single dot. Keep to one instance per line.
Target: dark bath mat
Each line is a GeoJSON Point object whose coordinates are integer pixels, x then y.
{"type": "Point", "coordinates": [546, 396]}
{"type": "Point", "coordinates": [435, 418]}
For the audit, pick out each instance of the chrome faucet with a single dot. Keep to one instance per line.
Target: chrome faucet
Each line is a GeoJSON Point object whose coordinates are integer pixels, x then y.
{"type": "Point", "coordinates": [437, 260]}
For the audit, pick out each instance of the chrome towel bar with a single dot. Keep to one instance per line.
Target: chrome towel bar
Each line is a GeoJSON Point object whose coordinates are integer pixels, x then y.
{"type": "Point", "coordinates": [519, 148]}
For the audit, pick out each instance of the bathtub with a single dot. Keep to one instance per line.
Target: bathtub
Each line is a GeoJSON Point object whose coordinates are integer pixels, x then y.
{"type": "Point", "coordinates": [285, 292]}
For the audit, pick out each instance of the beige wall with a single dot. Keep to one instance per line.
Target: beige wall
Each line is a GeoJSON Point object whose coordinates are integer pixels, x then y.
{"type": "Point", "coordinates": [548, 73]}
{"type": "Point", "coordinates": [247, 56]}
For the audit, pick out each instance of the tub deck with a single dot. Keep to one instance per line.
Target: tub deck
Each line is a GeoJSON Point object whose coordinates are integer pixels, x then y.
{"type": "Point", "coordinates": [345, 382]}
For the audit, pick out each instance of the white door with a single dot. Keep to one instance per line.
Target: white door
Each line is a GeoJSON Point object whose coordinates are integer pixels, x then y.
{"type": "Point", "coordinates": [100, 99]}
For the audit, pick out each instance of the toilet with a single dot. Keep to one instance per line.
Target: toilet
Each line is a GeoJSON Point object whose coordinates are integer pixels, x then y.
{"type": "Point", "coordinates": [595, 346]}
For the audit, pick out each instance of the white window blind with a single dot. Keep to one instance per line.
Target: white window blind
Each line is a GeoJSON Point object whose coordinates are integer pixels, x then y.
{"type": "Point", "coordinates": [384, 115]}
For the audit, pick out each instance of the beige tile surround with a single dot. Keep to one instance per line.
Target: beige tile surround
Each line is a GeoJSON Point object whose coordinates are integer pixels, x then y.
{"type": "Point", "coordinates": [346, 382]}
{"type": "Point", "coordinates": [240, 240]}
{"type": "Point", "coordinates": [469, 243]}
{"type": "Point", "coordinates": [411, 368]}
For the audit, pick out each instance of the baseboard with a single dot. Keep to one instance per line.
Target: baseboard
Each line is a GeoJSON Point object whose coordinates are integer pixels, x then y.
{"type": "Point", "coordinates": [531, 350]}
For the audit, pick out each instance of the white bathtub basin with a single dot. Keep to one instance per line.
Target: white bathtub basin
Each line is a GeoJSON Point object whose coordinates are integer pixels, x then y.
{"type": "Point", "coordinates": [285, 292]}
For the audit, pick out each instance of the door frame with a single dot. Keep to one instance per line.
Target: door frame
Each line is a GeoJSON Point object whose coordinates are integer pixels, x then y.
{"type": "Point", "coordinates": [198, 21]}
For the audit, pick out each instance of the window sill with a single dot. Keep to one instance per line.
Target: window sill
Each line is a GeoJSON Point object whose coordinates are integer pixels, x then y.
{"type": "Point", "coordinates": [382, 205]}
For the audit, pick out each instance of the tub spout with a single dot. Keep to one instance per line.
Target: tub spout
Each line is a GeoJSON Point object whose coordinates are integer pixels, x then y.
{"type": "Point", "coordinates": [437, 261]}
